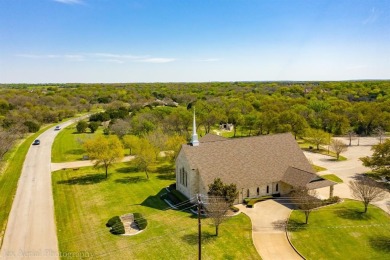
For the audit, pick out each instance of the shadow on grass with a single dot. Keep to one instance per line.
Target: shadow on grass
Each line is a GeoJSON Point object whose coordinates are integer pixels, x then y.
{"type": "Point", "coordinates": [192, 239]}
{"type": "Point", "coordinates": [155, 201]}
{"type": "Point", "coordinates": [295, 226]}
{"type": "Point", "coordinates": [135, 179]}
{"type": "Point", "coordinates": [165, 169]}
{"type": "Point", "coordinates": [84, 180]}
{"type": "Point", "coordinates": [166, 177]}
{"type": "Point", "coordinates": [381, 243]}
{"type": "Point", "coordinates": [128, 169]}
{"type": "Point", "coordinates": [352, 214]}
{"type": "Point", "coordinates": [76, 151]}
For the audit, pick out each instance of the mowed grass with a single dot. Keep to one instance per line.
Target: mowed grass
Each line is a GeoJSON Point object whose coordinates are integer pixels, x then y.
{"type": "Point", "coordinates": [85, 200]}
{"type": "Point", "coordinates": [67, 146]}
{"type": "Point", "coordinates": [10, 177]}
{"type": "Point", "coordinates": [332, 177]}
{"type": "Point", "coordinates": [342, 231]}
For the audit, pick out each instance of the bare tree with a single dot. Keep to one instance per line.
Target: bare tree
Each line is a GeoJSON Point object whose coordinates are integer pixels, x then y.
{"type": "Point", "coordinates": [120, 128]}
{"type": "Point", "coordinates": [216, 209]}
{"type": "Point", "coordinates": [380, 133]}
{"type": "Point", "coordinates": [306, 200]}
{"type": "Point", "coordinates": [351, 136]}
{"type": "Point", "coordinates": [338, 146]}
{"type": "Point", "coordinates": [367, 190]}
{"type": "Point", "coordinates": [7, 140]}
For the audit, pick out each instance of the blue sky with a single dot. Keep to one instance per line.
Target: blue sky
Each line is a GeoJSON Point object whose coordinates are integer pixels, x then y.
{"type": "Point", "coordinates": [44, 41]}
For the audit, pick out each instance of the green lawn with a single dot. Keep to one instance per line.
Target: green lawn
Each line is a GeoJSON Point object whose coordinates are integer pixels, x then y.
{"type": "Point", "coordinates": [85, 200]}
{"type": "Point", "coordinates": [9, 178]}
{"type": "Point", "coordinates": [318, 168]}
{"type": "Point", "coordinates": [332, 177]}
{"type": "Point", "coordinates": [67, 146]}
{"type": "Point", "coordinates": [342, 231]}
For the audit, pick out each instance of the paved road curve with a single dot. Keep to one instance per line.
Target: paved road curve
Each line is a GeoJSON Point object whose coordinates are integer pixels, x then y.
{"type": "Point", "coordinates": [31, 229]}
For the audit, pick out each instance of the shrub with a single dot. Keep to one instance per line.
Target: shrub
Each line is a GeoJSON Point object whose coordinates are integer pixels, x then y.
{"type": "Point", "coordinates": [140, 221]}
{"type": "Point", "coordinates": [112, 221]}
{"type": "Point", "coordinates": [331, 200]}
{"type": "Point", "coordinates": [254, 201]}
{"type": "Point", "coordinates": [172, 187]}
{"type": "Point", "coordinates": [32, 126]}
{"type": "Point", "coordinates": [118, 228]}
{"type": "Point", "coordinates": [234, 209]}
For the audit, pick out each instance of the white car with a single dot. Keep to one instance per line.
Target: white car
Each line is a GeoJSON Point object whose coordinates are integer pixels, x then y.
{"type": "Point", "coordinates": [57, 128]}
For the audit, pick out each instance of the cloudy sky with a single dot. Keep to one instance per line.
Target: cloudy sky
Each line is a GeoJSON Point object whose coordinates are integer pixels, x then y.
{"type": "Point", "coordinates": [44, 41]}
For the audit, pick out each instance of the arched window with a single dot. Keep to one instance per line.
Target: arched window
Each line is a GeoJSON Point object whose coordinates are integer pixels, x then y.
{"type": "Point", "coordinates": [258, 191]}
{"type": "Point", "coordinates": [277, 186]}
{"type": "Point", "coordinates": [267, 189]}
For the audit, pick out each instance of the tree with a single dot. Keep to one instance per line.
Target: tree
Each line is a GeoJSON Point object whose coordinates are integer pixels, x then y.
{"type": "Point", "coordinates": [317, 137]}
{"type": "Point", "coordinates": [351, 135]}
{"type": "Point", "coordinates": [380, 133]}
{"type": "Point", "coordinates": [131, 142]}
{"type": "Point", "coordinates": [227, 191]}
{"type": "Point", "coordinates": [120, 127]}
{"type": "Point", "coordinates": [93, 126]}
{"type": "Point", "coordinates": [367, 190]}
{"type": "Point", "coordinates": [216, 209]}
{"type": "Point", "coordinates": [380, 159]}
{"type": "Point", "coordinates": [173, 145]}
{"type": "Point", "coordinates": [306, 200]}
{"type": "Point", "coordinates": [146, 155]}
{"type": "Point", "coordinates": [295, 122]}
{"type": "Point", "coordinates": [338, 147]}
{"type": "Point", "coordinates": [104, 150]}
{"type": "Point", "coordinates": [7, 140]}
{"type": "Point", "coordinates": [81, 126]}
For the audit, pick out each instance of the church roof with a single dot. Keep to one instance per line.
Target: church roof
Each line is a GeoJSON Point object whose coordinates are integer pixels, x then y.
{"type": "Point", "coordinates": [250, 161]}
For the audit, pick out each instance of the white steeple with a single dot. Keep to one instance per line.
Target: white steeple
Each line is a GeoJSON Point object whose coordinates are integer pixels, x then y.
{"type": "Point", "coordinates": [194, 139]}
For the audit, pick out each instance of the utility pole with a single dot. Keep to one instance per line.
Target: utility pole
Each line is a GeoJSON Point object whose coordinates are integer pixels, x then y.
{"type": "Point", "coordinates": [199, 228]}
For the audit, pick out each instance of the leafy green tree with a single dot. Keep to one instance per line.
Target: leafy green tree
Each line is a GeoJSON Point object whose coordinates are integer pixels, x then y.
{"type": "Point", "coordinates": [380, 159]}
{"type": "Point", "coordinates": [93, 126]}
{"type": "Point", "coordinates": [81, 126]}
{"type": "Point", "coordinates": [146, 156]}
{"type": "Point", "coordinates": [317, 137]}
{"type": "Point", "coordinates": [131, 142]}
{"type": "Point", "coordinates": [104, 151]}
{"type": "Point", "coordinates": [33, 126]}
{"type": "Point", "coordinates": [227, 191]}
{"type": "Point", "coordinates": [173, 145]}
{"type": "Point", "coordinates": [295, 122]}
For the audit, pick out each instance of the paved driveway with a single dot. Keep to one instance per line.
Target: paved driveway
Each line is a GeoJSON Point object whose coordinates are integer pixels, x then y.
{"type": "Point", "coordinates": [348, 169]}
{"type": "Point", "coordinates": [268, 230]}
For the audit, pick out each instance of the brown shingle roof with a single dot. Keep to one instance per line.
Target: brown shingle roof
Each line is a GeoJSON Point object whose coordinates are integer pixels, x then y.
{"type": "Point", "coordinates": [248, 162]}
{"type": "Point", "coordinates": [211, 138]}
{"type": "Point", "coordinates": [299, 178]}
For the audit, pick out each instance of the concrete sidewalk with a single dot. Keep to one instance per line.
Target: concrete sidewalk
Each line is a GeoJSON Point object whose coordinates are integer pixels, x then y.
{"type": "Point", "coordinates": [78, 164]}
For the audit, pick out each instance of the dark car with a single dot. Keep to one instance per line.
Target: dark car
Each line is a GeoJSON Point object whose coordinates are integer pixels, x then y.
{"type": "Point", "coordinates": [36, 142]}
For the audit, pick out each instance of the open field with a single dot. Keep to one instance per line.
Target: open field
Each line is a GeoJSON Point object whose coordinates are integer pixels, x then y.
{"type": "Point", "coordinates": [67, 146]}
{"type": "Point", "coordinates": [342, 231]}
{"type": "Point", "coordinates": [85, 200]}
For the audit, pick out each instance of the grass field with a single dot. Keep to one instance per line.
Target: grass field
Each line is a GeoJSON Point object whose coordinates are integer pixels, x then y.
{"type": "Point", "coordinates": [342, 231]}
{"type": "Point", "coordinates": [332, 177]}
{"type": "Point", "coordinates": [85, 200]}
{"type": "Point", "coordinates": [10, 177]}
{"type": "Point", "coordinates": [67, 146]}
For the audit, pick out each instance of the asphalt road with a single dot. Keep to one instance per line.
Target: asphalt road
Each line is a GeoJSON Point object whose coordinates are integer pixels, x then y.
{"type": "Point", "coordinates": [31, 228]}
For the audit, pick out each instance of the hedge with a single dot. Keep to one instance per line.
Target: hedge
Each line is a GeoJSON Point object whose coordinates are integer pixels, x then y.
{"type": "Point", "coordinates": [118, 228]}
{"type": "Point", "coordinates": [254, 201]}
{"type": "Point", "coordinates": [140, 221]}
{"type": "Point", "coordinates": [112, 221]}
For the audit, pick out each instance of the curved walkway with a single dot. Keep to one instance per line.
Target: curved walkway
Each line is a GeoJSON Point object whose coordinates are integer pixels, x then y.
{"type": "Point", "coordinates": [268, 230]}
{"type": "Point", "coordinates": [78, 164]}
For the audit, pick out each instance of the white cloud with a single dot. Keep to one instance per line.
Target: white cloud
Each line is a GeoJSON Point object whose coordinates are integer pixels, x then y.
{"type": "Point", "coordinates": [69, 2]}
{"type": "Point", "coordinates": [157, 60]}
